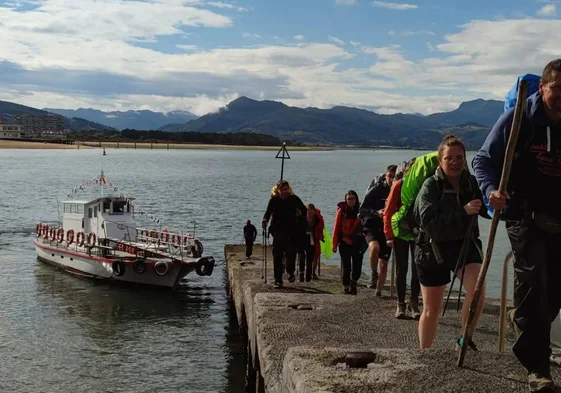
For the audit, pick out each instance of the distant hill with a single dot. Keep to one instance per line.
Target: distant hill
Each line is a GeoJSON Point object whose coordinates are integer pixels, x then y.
{"type": "Point", "coordinates": [345, 125]}
{"type": "Point", "coordinates": [138, 120]}
{"type": "Point", "coordinates": [9, 110]}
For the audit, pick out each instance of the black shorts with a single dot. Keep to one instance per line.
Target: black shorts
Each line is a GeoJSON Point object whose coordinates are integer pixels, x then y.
{"type": "Point", "coordinates": [377, 234]}
{"type": "Point", "coordinates": [438, 275]}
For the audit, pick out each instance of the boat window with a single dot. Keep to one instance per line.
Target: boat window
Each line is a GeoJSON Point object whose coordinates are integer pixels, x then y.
{"type": "Point", "coordinates": [106, 205]}
{"type": "Point", "coordinates": [90, 212]}
{"type": "Point", "coordinates": [80, 209]}
{"type": "Point", "coordinates": [73, 208]}
{"type": "Point", "coordinates": [95, 211]}
{"type": "Point", "coordinates": [119, 206]}
{"type": "Point", "coordinates": [66, 208]}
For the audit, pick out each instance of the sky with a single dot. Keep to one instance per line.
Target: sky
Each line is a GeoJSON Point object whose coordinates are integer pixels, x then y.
{"type": "Point", "coordinates": [417, 56]}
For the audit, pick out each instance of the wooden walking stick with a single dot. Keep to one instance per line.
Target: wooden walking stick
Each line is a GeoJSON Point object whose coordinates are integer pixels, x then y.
{"type": "Point", "coordinates": [513, 137]}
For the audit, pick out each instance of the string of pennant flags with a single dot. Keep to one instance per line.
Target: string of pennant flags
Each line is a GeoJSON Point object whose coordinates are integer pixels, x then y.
{"type": "Point", "coordinates": [102, 180]}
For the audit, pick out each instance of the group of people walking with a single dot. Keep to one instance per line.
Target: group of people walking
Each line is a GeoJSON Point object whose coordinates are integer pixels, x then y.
{"type": "Point", "coordinates": [444, 239]}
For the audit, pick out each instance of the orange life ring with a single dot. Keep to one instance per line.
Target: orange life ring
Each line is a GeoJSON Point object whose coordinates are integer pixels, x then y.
{"type": "Point", "coordinates": [70, 236]}
{"type": "Point", "coordinates": [164, 235]}
{"type": "Point", "coordinates": [60, 235]}
{"type": "Point", "coordinates": [91, 239]}
{"type": "Point", "coordinates": [80, 239]}
{"type": "Point", "coordinates": [38, 229]}
{"type": "Point", "coordinates": [176, 240]}
{"type": "Point", "coordinates": [45, 230]}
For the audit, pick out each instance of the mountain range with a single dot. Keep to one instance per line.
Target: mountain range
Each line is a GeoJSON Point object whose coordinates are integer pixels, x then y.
{"type": "Point", "coordinates": [9, 110]}
{"type": "Point", "coordinates": [472, 121]}
{"type": "Point", "coordinates": [138, 120]}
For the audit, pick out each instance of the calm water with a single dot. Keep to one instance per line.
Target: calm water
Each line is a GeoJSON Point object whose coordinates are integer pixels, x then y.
{"type": "Point", "coordinates": [61, 333]}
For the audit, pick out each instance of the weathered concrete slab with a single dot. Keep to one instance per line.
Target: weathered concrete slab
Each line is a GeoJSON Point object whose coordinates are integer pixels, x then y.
{"type": "Point", "coordinates": [316, 315]}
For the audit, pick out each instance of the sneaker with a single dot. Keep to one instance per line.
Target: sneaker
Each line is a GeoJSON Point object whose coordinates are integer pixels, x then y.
{"type": "Point", "coordinates": [353, 290]}
{"type": "Point", "coordinates": [540, 382]}
{"type": "Point", "coordinates": [400, 312]}
{"type": "Point", "coordinates": [378, 294]}
{"type": "Point", "coordinates": [314, 276]}
{"type": "Point", "coordinates": [301, 277]}
{"type": "Point", "coordinates": [415, 311]}
{"type": "Point", "coordinates": [513, 325]}
{"type": "Point", "coordinates": [277, 285]}
{"type": "Point", "coordinates": [347, 290]}
{"type": "Point", "coordinates": [471, 344]}
{"type": "Point", "coordinates": [373, 281]}
{"type": "Point", "coordinates": [291, 278]}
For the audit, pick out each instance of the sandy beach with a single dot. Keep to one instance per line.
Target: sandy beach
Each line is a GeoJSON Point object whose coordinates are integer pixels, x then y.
{"type": "Point", "coordinates": [131, 145]}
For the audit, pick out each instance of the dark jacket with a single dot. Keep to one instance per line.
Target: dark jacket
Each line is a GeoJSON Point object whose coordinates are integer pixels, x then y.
{"type": "Point", "coordinates": [285, 214]}
{"type": "Point", "coordinates": [249, 232]}
{"type": "Point", "coordinates": [535, 177]}
{"type": "Point", "coordinates": [439, 210]}
{"type": "Point", "coordinates": [374, 200]}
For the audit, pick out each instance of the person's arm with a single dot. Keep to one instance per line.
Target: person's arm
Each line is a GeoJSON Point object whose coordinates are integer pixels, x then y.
{"type": "Point", "coordinates": [391, 207]}
{"type": "Point", "coordinates": [300, 205]}
{"type": "Point", "coordinates": [440, 225]}
{"type": "Point", "coordinates": [268, 212]}
{"type": "Point", "coordinates": [336, 229]}
{"type": "Point", "coordinates": [254, 233]}
{"type": "Point", "coordinates": [488, 162]}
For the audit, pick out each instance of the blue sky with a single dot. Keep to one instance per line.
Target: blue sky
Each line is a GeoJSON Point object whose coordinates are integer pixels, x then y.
{"type": "Point", "coordinates": [198, 55]}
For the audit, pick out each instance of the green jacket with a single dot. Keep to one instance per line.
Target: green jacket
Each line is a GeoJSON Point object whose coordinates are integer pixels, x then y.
{"type": "Point", "coordinates": [422, 168]}
{"type": "Point", "coordinates": [439, 210]}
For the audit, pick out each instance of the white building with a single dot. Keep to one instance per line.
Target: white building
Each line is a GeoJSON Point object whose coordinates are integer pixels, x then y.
{"type": "Point", "coordinates": [10, 131]}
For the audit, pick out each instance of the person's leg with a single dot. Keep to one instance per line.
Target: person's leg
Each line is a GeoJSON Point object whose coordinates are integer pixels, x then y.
{"type": "Point", "coordinates": [401, 250]}
{"type": "Point", "coordinates": [290, 251]}
{"type": "Point", "coordinates": [248, 248]}
{"type": "Point", "coordinates": [302, 263]}
{"type": "Point", "coordinates": [357, 258]}
{"type": "Point", "coordinates": [310, 257]}
{"type": "Point", "coordinates": [345, 253]}
{"type": "Point", "coordinates": [373, 251]}
{"type": "Point", "coordinates": [415, 286]}
{"type": "Point", "coordinates": [278, 253]}
{"type": "Point", "coordinates": [433, 285]}
{"type": "Point", "coordinates": [469, 281]}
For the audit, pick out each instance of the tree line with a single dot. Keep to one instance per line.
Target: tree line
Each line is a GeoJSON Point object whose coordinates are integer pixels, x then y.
{"type": "Point", "coordinates": [211, 138]}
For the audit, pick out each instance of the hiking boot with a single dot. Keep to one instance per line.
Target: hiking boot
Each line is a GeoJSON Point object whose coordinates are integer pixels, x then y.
{"type": "Point", "coordinates": [373, 280]}
{"type": "Point", "coordinates": [378, 294]}
{"type": "Point", "coordinates": [314, 276]}
{"type": "Point", "coordinates": [277, 285]}
{"type": "Point", "coordinates": [540, 382]}
{"type": "Point", "coordinates": [353, 290]}
{"type": "Point", "coordinates": [291, 278]}
{"type": "Point", "coordinates": [513, 325]}
{"type": "Point", "coordinates": [400, 312]}
{"type": "Point", "coordinates": [471, 344]}
{"type": "Point", "coordinates": [301, 277]}
{"type": "Point", "coordinates": [347, 290]}
{"type": "Point", "coordinates": [415, 311]}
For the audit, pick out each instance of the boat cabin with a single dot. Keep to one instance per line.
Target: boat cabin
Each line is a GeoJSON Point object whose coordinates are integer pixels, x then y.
{"type": "Point", "coordinates": [107, 217]}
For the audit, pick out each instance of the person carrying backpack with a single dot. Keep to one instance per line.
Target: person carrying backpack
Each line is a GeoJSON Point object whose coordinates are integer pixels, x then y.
{"type": "Point", "coordinates": [532, 213]}
{"type": "Point", "coordinates": [371, 217]}
{"type": "Point", "coordinates": [401, 246]}
{"type": "Point", "coordinates": [445, 210]}
{"type": "Point", "coordinates": [348, 236]}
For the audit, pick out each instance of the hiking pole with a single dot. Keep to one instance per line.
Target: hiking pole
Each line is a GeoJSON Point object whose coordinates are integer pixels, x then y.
{"type": "Point", "coordinates": [461, 262]}
{"type": "Point", "coordinates": [265, 259]}
{"type": "Point", "coordinates": [507, 165]}
{"type": "Point", "coordinates": [264, 246]}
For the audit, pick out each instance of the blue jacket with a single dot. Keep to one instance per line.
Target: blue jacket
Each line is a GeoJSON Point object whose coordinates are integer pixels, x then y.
{"type": "Point", "coordinates": [538, 145]}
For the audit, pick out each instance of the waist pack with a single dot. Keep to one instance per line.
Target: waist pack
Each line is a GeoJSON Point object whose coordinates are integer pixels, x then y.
{"type": "Point", "coordinates": [547, 223]}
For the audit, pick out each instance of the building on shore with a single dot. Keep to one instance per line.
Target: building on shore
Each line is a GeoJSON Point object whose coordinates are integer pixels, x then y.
{"type": "Point", "coordinates": [41, 125]}
{"type": "Point", "coordinates": [10, 131]}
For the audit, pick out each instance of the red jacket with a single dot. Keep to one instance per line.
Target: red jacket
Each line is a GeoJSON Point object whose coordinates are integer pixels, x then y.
{"type": "Point", "coordinates": [345, 228]}
{"type": "Point", "coordinates": [393, 203]}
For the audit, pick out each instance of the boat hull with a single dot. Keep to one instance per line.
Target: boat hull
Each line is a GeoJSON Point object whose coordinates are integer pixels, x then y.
{"type": "Point", "coordinates": [84, 265]}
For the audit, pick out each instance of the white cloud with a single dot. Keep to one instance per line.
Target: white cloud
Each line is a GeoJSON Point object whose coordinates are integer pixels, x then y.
{"type": "Point", "coordinates": [354, 43]}
{"type": "Point", "coordinates": [299, 37]}
{"type": "Point", "coordinates": [251, 35]}
{"type": "Point", "coordinates": [188, 47]}
{"type": "Point", "coordinates": [345, 2]}
{"type": "Point", "coordinates": [394, 6]}
{"type": "Point", "coordinates": [548, 10]}
{"type": "Point", "coordinates": [407, 33]}
{"type": "Point", "coordinates": [336, 40]}
{"type": "Point", "coordinates": [219, 4]}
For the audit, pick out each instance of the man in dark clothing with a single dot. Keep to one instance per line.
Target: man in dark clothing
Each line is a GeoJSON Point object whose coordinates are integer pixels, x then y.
{"type": "Point", "coordinates": [532, 214]}
{"type": "Point", "coordinates": [285, 208]}
{"type": "Point", "coordinates": [371, 218]}
{"type": "Point", "coordinates": [249, 234]}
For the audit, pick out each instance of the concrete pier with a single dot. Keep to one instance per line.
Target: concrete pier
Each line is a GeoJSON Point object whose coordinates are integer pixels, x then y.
{"type": "Point", "coordinates": [298, 338]}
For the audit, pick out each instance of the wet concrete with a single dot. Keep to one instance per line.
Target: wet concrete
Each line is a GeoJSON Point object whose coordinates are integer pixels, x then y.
{"type": "Point", "coordinates": [298, 335]}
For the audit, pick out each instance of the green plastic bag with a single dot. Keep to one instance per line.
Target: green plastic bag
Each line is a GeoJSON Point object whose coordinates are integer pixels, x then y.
{"type": "Point", "coordinates": [327, 245]}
